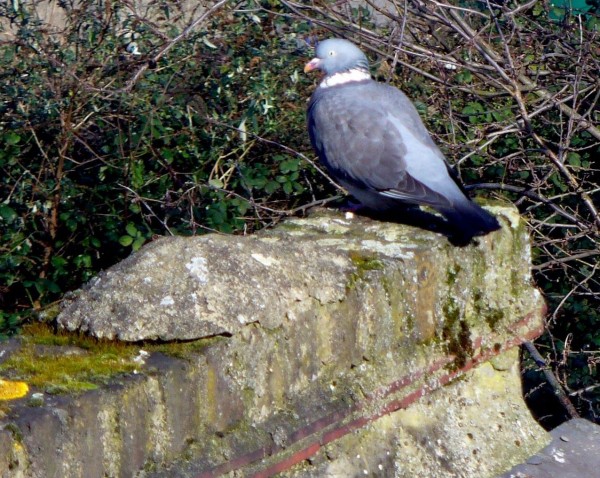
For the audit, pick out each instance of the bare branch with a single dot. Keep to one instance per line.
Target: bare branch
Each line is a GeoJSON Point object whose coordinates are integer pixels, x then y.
{"type": "Point", "coordinates": [165, 49]}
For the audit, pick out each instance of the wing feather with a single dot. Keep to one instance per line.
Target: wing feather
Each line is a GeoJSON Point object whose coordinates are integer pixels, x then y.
{"type": "Point", "coordinates": [370, 136]}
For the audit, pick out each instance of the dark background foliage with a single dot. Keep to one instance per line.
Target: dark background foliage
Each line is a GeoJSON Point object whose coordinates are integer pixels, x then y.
{"type": "Point", "coordinates": [118, 123]}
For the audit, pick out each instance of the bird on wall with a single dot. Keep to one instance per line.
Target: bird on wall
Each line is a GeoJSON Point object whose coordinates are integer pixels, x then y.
{"type": "Point", "coordinates": [373, 142]}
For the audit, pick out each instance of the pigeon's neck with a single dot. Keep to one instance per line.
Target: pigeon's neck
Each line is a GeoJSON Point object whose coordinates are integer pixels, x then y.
{"type": "Point", "coordinates": [350, 76]}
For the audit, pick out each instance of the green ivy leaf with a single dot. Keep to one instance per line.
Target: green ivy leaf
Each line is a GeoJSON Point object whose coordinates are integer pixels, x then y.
{"type": "Point", "coordinates": [131, 229]}
{"type": "Point", "coordinates": [138, 243]}
{"type": "Point", "coordinates": [574, 159]}
{"type": "Point", "coordinates": [12, 138]}
{"type": "Point", "coordinates": [7, 213]}
{"type": "Point", "coordinates": [125, 240]}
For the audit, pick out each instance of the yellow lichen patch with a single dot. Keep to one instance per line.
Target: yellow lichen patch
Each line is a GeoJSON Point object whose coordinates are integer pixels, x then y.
{"type": "Point", "coordinates": [10, 390]}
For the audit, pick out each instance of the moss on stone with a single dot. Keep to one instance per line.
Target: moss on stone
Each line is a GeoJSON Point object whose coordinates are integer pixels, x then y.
{"type": "Point", "coordinates": [49, 313]}
{"type": "Point", "coordinates": [456, 335]}
{"type": "Point", "coordinates": [366, 262]}
{"type": "Point", "coordinates": [482, 310]}
{"type": "Point", "coordinates": [363, 263]}
{"type": "Point", "coordinates": [493, 318]}
{"type": "Point", "coordinates": [451, 313]}
{"type": "Point", "coordinates": [452, 274]}
{"type": "Point", "coordinates": [63, 362]}
{"type": "Point", "coordinates": [44, 361]}
{"type": "Point", "coordinates": [15, 431]}
{"type": "Point", "coordinates": [183, 349]}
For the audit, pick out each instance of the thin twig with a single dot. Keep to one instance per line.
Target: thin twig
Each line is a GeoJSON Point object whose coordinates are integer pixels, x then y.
{"type": "Point", "coordinates": [552, 380]}
{"type": "Point", "coordinates": [165, 49]}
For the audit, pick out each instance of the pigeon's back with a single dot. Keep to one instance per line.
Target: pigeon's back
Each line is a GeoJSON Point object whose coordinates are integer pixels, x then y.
{"type": "Point", "coordinates": [367, 101]}
{"type": "Point", "coordinates": [371, 134]}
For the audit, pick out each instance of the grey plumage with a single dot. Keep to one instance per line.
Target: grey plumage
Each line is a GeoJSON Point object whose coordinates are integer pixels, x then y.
{"type": "Point", "coordinates": [372, 141]}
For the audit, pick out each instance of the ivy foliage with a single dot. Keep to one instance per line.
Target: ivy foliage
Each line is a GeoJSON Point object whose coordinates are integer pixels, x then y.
{"type": "Point", "coordinates": [93, 165]}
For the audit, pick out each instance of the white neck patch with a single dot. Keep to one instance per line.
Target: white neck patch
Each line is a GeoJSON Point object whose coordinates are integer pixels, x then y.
{"type": "Point", "coordinates": [345, 77]}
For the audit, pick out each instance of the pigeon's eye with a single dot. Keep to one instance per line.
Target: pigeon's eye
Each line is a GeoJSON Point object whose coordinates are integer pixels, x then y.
{"type": "Point", "coordinates": [331, 52]}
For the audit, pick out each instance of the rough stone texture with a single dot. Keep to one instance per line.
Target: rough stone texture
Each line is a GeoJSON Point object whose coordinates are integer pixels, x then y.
{"type": "Point", "coordinates": [573, 453]}
{"type": "Point", "coordinates": [338, 335]}
{"type": "Point", "coordinates": [417, 441]}
{"type": "Point", "coordinates": [188, 288]}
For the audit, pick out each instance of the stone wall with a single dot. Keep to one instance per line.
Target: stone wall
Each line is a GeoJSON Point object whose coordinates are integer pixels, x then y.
{"type": "Point", "coordinates": [329, 346]}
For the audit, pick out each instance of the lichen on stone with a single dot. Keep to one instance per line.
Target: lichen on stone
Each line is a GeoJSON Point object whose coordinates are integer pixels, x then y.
{"type": "Point", "coordinates": [11, 390]}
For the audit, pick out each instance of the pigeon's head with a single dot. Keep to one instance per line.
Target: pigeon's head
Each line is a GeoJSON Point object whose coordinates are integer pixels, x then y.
{"type": "Point", "coordinates": [337, 55]}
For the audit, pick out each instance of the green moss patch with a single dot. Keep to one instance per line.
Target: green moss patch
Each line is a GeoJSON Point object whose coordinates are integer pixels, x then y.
{"type": "Point", "coordinates": [456, 335]}
{"type": "Point", "coordinates": [64, 362]}
{"type": "Point", "coordinates": [364, 263]}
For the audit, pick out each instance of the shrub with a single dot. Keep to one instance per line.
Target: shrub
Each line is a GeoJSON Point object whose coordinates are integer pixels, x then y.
{"type": "Point", "coordinates": [100, 149]}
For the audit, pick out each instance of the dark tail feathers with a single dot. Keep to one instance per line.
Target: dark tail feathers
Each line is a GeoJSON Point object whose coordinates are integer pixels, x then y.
{"type": "Point", "coordinates": [468, 220]}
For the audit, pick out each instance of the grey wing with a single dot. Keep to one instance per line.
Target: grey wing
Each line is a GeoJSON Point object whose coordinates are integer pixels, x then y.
{"type": "Point", "coordinates": [430, 164]}
{"type": "Point", "coordinates": [362, 145]}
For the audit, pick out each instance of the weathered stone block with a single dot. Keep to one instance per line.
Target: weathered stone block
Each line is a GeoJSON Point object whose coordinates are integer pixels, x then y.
{"type": "Point", "coordinates": [187, 288]}
{"type": "Point", "coordinates": [334, 334]}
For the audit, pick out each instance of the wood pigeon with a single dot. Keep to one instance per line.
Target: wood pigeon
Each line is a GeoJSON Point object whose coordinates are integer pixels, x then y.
{"type": "Point", "coordinates": [373, 143]}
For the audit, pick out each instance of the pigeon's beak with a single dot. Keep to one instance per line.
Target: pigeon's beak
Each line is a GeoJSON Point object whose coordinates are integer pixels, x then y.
{"type": "Point", "coordinates": [313, 64]}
